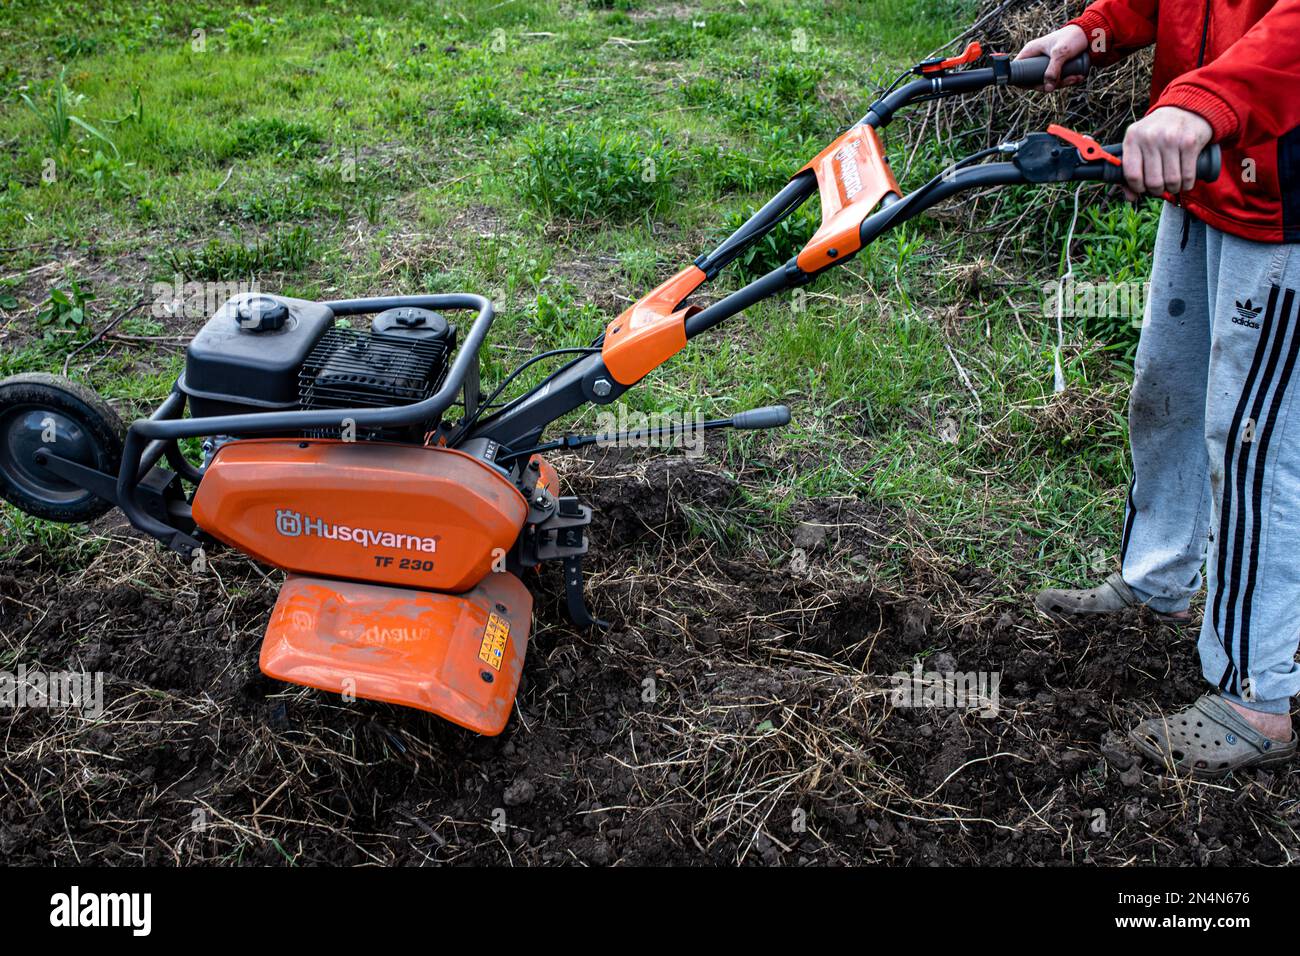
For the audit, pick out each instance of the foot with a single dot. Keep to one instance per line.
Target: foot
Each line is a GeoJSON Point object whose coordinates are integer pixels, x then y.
{"type": "Point", "coordinates": [1211, 739]}
{"type": "Point", "coordinates": [1274, 726]}
{"type": "Point", "coordinates": [1110, 597]}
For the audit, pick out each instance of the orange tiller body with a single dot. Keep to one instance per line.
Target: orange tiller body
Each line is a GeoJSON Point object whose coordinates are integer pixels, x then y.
{"type": "Point", "coordinates": [409, 515]}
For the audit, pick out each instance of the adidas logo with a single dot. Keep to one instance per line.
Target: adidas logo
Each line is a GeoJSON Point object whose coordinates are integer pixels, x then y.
{"type": "Point", "coordinates": [1247, 313]}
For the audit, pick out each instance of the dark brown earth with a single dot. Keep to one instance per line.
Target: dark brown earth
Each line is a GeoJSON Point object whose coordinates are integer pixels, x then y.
{"type": "Point", "coordinates": [738, 711]}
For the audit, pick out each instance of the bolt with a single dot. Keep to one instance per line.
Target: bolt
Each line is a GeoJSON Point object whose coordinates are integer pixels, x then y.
{"type": "Point", "coordinates": [832, 253]}
{"type": "Point", "coordinates": [486, 675]}
{"type": "Point", "coordinates": [501, 609]}
{"type": "Point", "coordinates": [602, 387]}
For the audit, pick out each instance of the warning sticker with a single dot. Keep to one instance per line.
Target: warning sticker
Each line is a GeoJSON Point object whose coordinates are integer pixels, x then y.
{"type": "Point", "coordinates": [493, 648]}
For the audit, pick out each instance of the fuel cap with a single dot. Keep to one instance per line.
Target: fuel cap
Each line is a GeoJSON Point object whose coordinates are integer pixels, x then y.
{"type": "Point", "coordinates": [261, 313]}
{"type": "Point", "coordinates": [408, 320]}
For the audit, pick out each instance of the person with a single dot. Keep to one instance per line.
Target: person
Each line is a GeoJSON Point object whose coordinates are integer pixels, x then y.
{"type": "Point", "coordinates": [1213, 428]}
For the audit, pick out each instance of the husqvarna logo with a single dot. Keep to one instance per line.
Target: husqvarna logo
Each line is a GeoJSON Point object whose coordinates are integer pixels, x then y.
{"type": "Point", "coordinates": [849, 173]}
{"type": "Point", "coordinates": [288, 523]}
{"type": "Point", "coordinates": [292, 524]}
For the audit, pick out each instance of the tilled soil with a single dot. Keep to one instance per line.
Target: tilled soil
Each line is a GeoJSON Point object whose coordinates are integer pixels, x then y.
{"type": "Point", "coordinates": [741, 709]}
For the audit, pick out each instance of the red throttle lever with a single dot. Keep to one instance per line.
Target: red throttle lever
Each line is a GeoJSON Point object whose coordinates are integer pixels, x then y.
{"type": "Point", "coordinates": [1090, 151]}
{"type": "Point", "coordinates": [938, 64]}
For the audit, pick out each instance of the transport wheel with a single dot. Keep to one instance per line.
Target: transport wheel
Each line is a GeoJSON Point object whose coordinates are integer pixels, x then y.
{"type": "Point", "coordinates": [48, 411]}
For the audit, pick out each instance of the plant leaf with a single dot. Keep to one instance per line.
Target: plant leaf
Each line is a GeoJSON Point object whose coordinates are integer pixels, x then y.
{"type": "Point", "coordinates": [96, 133]}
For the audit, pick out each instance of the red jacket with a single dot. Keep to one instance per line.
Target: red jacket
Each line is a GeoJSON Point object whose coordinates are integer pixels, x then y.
{"type": "Point", "coordinates": [1236, 63]}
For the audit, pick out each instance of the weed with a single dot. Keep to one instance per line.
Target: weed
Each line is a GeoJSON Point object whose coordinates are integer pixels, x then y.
{"type": "Point", "coordinates": [252, 31]}
{"type": "Point", "coordinates": [70, 46]}
{"type": "Point", "coordinates": [270, 135]}
{"type": "Point", "coordinates": [793, 84]}
{"type": "Point", "coordinates": [678, 43]}
{"type": "Point", "coordinates": [365, 43]}
{"type": "Point", "coordinates": [732, 170]}
{"type": "Point", "coordinates": [1119, 238]}
{"type": "Point", "coordinates": [558, 321]}
{"type": "Point", "coordinates": [769, 109]}
{"type": "Point", "coordinates": [776, 248]}
{"type": "Point", "coordinates": [479, 108]}
{"type": "Point", "coordinates": [591, 172]}
{"type": "Point", "coordinates": [641, 267]}
{"type": "Point", "coordinates": [220, 260]}
{"type": "Point", "coordinates": [58, 119]}
{"type": "Point", "coordinates": [66, 310]}
{"type": "Point", "coordinates": [135, 114]}
{"type": "Point", "coordinates": [106, 175]}
{"type": "Point", "coordinates": [702, 91]}
{"type": "Point", "coordinates": [63, 542]}
{"type": "Point", "coordinates": [275, 202]}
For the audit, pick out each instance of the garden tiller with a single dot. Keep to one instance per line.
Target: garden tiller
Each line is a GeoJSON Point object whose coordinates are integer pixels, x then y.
{"type": "Point", "coordinates": [404, 505]}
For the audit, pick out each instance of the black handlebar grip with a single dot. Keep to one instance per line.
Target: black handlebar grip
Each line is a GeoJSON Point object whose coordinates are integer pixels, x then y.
{"type": "Point", "coordinates": [770, 416]}
{"type": "Point", "coordinates": [1030, 71]}
{"type": "Point", "coordinates": [1208, 165]}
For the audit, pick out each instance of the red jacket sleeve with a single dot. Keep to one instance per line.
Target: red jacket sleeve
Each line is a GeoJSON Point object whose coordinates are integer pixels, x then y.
{"type": "Point", "coordinates": [1116, 28]}
{"type": "Point", "coordinates": [1250, 93]}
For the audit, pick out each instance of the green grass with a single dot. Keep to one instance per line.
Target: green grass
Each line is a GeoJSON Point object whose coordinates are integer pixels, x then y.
{"type": "Point", "coordinates": [216, 260]}
{"type": "Point", "coordinates": [565, 158]}
{"type": "Point", "coordinates": [593, 172]}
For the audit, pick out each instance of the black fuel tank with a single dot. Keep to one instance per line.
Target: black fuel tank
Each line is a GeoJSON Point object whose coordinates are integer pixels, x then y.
{"type": "Point", "coordinates": [246, 358]}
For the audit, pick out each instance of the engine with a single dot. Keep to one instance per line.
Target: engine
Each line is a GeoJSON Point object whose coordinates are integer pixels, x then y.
{"type": "Point", "coordinates": [271, 353]}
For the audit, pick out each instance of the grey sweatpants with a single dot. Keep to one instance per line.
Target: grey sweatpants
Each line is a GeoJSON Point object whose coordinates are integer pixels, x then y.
{"type": "Point", "coordinates": [1216, 454]}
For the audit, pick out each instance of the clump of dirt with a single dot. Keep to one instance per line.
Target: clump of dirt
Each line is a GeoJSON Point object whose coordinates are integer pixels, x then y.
{"type": "Point", "coordinates": [745, 707]}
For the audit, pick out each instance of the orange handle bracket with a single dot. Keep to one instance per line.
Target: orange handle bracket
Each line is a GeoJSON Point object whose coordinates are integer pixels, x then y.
{"type": "Point", "coordinates": [652, 330]}
{"type": "Point", "coordinates": [852, 178]}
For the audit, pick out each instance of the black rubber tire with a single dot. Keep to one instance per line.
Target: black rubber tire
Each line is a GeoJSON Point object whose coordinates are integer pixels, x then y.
{"type": "Point", "coordinates": [98, 420]}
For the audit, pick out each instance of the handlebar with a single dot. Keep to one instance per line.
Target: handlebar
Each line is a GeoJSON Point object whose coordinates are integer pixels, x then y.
{"type": "Point", "coordinates": [769, 416]}
{"type": "Point", "coordinates": [1030, 71]}
{"type": "Point", "coordinates": [1027, 72]}
{"type": "Point", "coordinates": [1042, 157]}
{"type": "Point", "coordinates": [1208, 165]}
